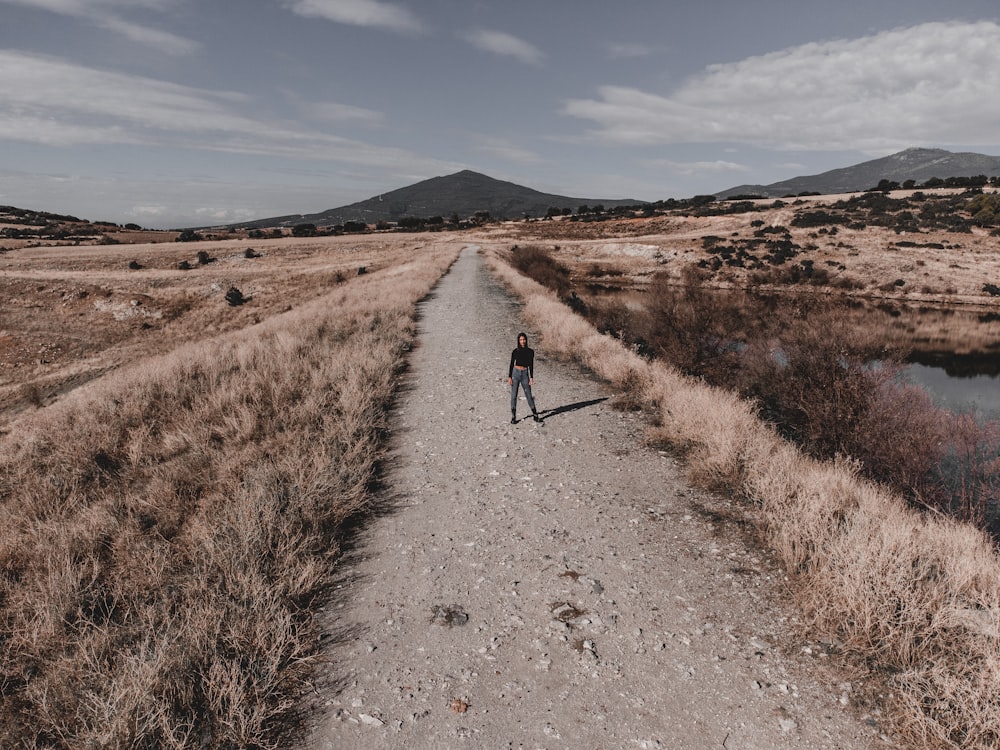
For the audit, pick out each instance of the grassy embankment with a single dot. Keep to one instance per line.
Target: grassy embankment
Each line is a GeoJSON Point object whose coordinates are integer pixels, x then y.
{"type": "Point", "coordinates": [169, 531]}
{"type": "Point", "coordinates": [910, 596]}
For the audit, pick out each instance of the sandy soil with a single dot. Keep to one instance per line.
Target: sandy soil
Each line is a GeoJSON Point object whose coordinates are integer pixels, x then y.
{"type": "Point", "coordinates": [556, 585]}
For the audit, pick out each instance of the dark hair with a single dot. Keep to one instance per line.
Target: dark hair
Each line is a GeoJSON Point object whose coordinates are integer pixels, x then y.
{"type": "Point", "coordinates": [522, 333]}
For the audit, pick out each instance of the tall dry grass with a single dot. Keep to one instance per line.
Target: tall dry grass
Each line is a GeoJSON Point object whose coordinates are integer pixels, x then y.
{"type": "Point", "coordinates": [913, 598]}
{"type": "Point", "coordinates": [168, 533]}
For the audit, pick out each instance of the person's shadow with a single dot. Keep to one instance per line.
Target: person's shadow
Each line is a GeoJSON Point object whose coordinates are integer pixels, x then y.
{"type": "Point", "coordinates": [546, 413]}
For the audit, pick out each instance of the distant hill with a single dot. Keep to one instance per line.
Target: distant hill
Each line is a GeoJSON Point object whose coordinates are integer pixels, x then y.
{"type": "Point", "coordinates": [918, 164]}
{"type": "Point", "coordinates": [463, 193]}
{"type": "Point", "coordinates": [27, 226]}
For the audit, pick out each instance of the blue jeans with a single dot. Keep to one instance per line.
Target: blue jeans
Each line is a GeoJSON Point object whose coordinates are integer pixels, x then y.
{"type": "Point", "coordinates": [520, 378]}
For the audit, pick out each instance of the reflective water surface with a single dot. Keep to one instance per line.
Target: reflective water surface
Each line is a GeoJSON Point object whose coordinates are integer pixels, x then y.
{"type": "Point", "coordinates": [979, 394]}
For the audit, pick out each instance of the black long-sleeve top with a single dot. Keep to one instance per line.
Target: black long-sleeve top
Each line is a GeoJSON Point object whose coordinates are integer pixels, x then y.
{"type": "Point", "coordinates": [522, 356]}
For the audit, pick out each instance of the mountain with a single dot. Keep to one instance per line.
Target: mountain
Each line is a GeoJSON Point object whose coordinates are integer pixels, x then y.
{"type": "Point", "coordinates": [918, 164]}
{"type": "Point", "coordinates": [464, 193]}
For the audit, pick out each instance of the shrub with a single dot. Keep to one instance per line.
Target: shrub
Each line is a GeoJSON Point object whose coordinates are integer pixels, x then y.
{"type": "Point", "coordinates": [818, 218]}
{"type": "Point", "coordinates": [304, 230]}
{"type": "Point", "coordinates": [235, 297]}
{"type": "Point", "coordinates": [540, 265]}
{"type": "Point", "coordinates": [32, 393]}
{"type": "Point", "coordinates": [816, 386]}
{"type": "Point", "coordinates": [693, 327]}
{"type": "Point", "coordinates": [966, 477]}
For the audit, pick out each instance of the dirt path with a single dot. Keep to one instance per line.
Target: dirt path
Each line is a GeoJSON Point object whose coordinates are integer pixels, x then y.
{"type": "Point", "coordinates": [554, 585]}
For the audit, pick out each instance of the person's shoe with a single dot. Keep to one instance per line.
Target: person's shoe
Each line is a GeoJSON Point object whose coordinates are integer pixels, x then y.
{"type": "Point", "coordinates": [513, 420]}
{"type": "Point", "coordinates": [536, 417]}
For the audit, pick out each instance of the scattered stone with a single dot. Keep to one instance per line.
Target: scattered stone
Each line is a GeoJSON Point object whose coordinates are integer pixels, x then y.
{"type": "Point", "coordinates": [371, 721]}
{"type": "Point", "coordinates": [458, 705]}
{"type": "Point", "coordinates": [449, 616]}
{"type": "Point", "coordinates": [565, 611]}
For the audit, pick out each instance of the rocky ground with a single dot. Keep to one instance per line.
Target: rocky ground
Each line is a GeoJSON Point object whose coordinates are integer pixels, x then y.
{"type": "Point", "coordinates": [557, 585]}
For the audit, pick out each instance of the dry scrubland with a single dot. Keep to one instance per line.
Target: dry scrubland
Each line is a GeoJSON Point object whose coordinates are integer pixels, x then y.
{"type": "Point", "coordinates": [936, 271]}
{"type": "Point", "coordinates": [911, 598]}
{"type": "Point", "coordinates": [71, 314]}
{"type": "Point", "coordinates": [169, 529]}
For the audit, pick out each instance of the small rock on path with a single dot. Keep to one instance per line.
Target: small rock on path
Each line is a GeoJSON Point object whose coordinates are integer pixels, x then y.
{"type": "Point", "coordinates": [553, 585]}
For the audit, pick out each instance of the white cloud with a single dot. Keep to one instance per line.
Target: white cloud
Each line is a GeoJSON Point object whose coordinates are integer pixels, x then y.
{"type": "Point", "coordinates": [928, 84]}
{"type": "Point", "coordinates": [225, 215]}
{"type": "Point", "coordinates": [83, 7]}
{"type": "Point", "coordinates": [162, 40]}
{"type": "Point", "coordinates": [502, 43]}
{"type": "Point", "coordinates": [65, 7]}
{"type": "Point", "coordinates": [341, 113]}
{"type": "Point", "coordinates": [100, 13]}
{"type": "Point", "coordinates": [700, 167]}
{"type": "Point", "coordinates": [358, 13]}
{"type": "Point", "coordinates": [507, 151]}
{"type": "Point", "coordinates": [146, 212]}
{"type": "Point", "coordinates": [618, 50]}
{"type": "Point", "coordinates": [48, 101]}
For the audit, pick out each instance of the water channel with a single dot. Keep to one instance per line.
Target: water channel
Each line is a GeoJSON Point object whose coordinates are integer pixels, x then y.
{"type": "Point", "coordinates": [955, 357]}
{"type": "Point", "coordinates": [978, 394]}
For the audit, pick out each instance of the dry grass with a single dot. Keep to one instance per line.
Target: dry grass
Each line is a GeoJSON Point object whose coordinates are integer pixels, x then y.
{"type": "Point", "coordinates": [169, 530]}
{"type": "Point", "coordinates": [912, 598]}
{"type": "Point", "coordinates": [71, 314]}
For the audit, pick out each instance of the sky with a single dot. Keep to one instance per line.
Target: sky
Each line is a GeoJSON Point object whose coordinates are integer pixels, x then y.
{"type": "Point", "coordinates": [178, 113]}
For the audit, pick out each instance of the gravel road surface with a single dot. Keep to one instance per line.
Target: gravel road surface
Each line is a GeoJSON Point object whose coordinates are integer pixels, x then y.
{"type": "Point", "coordinates": [555, 585]}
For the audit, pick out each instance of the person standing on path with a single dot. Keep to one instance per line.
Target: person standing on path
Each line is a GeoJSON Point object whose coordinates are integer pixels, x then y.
{"type": "Point", "coordinates": [522, 373]}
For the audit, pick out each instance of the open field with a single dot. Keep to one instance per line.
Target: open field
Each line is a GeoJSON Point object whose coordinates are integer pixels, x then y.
{"type": "Point", "coordinates": [175, 471]}
{"type": "Point", "coordinates": [71, 314]}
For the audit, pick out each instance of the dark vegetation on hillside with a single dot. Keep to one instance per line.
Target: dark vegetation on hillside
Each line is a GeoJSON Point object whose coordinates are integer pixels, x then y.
{"type": "Point", "coordinates": [904, 169]}
{"type": "Point", "coordinates": [773, 257]}
{"type": "Point", "coordinates": [39, 225]}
